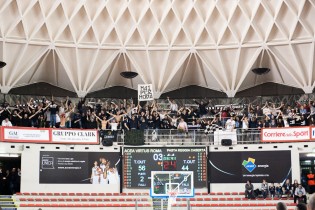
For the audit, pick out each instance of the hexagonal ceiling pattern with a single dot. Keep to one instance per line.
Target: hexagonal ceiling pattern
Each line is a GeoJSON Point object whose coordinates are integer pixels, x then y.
{"type": "Point", "coordinates": [83, 45]}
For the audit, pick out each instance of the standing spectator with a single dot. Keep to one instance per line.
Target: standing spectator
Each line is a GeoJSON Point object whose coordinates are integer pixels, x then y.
{"type": "Point", "coordinates": [53, 112]}
{"type": "Point", "coordinates": [311, 182]}
{"type": "Point", "coordinates": [230, 124]}
{"type": "Point", "coordinates": [202, 107]}
{"type": "Point", "coordinates": [173, 106]}
{"type": "Point", "coordinates": [300, 193]}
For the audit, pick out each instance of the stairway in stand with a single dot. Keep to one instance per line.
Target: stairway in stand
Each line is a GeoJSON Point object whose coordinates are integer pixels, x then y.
{"type": "Point", "coordinates": [7, 202]}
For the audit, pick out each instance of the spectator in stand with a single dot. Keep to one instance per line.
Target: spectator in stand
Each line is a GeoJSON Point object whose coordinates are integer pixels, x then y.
{"type": "Point", "coordinates": [264, 188]}
{"type": "Point", "coordinates": [287, 188]}
{"type": "Point", "coordinates": [202, 107]}
{"type": "Point", "coordinates": [6, 122]}
{"type": "Point", "coordinates": [272, 190]}
{"type": "Point", "coordinates": [230, 124]}
{"type": "Point", "coordinates": [173, 106]}
{"type": "Point", "coordinates": [301, 206]}
{"type": "Point", "coordinates": [53, 112]}
{"type": "Point", "coordinates": [279, 191]}
{"type": "Point", "coordinates": [300, 193]}
{"type": "Point", "coordinates": [249, 190]}
{"type": "Point", "coordinates": [295, 185]}
{"type": "Point", "coordinates": [281, 206]}
{"type": "Point", "coordinates": [245, 126]}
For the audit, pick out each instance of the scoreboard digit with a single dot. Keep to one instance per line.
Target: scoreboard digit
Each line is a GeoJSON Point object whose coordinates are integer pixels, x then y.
{"type": "Point", "coordinates": [140, 161]}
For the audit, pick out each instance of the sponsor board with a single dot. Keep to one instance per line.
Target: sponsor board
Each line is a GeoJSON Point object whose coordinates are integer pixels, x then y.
{"type": "Point", "coordinates": [74, 136]}
{"type": "Point", "coordinates": [238, 167]}
{"type": "Point", "coordinates": [17, 134]}
{"type": "Point", "coordinates": [286, 134]}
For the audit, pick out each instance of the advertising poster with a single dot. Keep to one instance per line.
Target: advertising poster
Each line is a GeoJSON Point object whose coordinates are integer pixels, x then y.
{"type": "Point", "coordinates": [238, 167]}
{"type": "Point", "coordinates": [79, 167]}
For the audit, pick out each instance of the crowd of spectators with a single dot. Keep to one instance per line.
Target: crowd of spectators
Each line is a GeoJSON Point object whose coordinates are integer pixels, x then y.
{"type": "Point", "coordinates": [128, 115]}
{"type": "Point", "coordinates": [10, 181]}
{"type": "Point", "coordinates": [272, 190]}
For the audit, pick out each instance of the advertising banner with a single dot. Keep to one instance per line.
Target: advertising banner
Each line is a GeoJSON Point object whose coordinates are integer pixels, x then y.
{"type": "Point", "coordinates": [74, 136]}
{"type": "Point", "coordinates": [238, 167]}
{"type": "Point", "coordinates": [16, 134]}
{"type": "Point", "coordinates": [286, 134]}
{"type": "Point", "coordinates": [145, 92]}
{"type": "Point", "coordinates": [79, 167]}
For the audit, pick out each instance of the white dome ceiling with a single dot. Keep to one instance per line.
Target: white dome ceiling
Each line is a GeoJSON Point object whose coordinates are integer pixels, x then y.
{"type": "Point", "coordinates": [83, 45]}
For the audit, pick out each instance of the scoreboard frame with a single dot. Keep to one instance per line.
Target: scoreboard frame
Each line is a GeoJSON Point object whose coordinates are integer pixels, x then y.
{"type": "Point", "coordinates": [138, 162]}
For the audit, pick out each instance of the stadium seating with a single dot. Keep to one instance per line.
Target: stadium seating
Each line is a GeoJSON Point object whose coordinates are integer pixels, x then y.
{"type": "Point", "coordinates": [202, 201]}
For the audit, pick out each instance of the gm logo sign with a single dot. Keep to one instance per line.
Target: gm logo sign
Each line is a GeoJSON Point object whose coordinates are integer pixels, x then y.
{"type": "Point", "coordinates": [249, 164]}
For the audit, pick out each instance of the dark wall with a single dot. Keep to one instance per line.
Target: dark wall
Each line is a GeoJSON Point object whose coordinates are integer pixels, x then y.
{"type": "Point", "coordinates": [114, 92]}
{"type": "Point", "coordinates": [194, 91]}
{"type": "Point", "coordinates": [42, 89]}
{"type": "Point", "coordinates": [270, 89]}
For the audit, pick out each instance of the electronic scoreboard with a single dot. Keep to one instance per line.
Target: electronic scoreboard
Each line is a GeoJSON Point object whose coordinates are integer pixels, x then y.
{"type": "Point", "coordinates": [140, 161]}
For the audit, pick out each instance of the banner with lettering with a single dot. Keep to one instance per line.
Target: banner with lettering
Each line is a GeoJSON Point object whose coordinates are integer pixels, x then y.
{"type": "Point", "coordinates": [74, 136]}
{"type": "Point", "coordinates": [49, 135]}
{"type": "Point", "coordinates": [20, 134]}
{"type": "Point", "coordinates": [145, 92]}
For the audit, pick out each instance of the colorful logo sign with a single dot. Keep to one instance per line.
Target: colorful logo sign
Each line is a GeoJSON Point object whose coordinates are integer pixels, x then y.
{"type": "Point", "coordinates": [249, 164]}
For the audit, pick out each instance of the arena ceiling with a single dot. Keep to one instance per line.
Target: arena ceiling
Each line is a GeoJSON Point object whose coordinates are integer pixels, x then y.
{"type": "Point", "coordinates": [83, 45]}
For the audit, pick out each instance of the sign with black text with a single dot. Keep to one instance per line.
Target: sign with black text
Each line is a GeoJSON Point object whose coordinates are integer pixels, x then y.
{"type": "Point", "coordinates": [145, 92]}
{"type": "Point", "coordinates": [79, 167]}
{"type": "Point", "coordinates": [74, 136]}
{"type": "Point", "coordinates": [238, 167]}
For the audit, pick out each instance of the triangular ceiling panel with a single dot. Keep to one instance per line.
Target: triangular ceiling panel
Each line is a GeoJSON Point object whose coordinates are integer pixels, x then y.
{"type": "Point", "coordinates": [42, 34]}
{"type": "Point", "coordinates": [158, 39]}
{"type": "Point", "coordinates": [300, 32]}
{"type": "Point", "coordinates": [100, 63]}
{"type": "Point", "coordinates": [23, 57]}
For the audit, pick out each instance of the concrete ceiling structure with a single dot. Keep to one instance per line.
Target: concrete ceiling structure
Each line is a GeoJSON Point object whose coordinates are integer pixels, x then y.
{"type": "Point", "coordinates": [83, 45]}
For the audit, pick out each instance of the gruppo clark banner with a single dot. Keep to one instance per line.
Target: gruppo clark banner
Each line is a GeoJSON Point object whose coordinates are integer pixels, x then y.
{"type": "Point", "coordinates": [289, 134]}
{"type": "Point", "coordinates": [74, 136]}
{"type": "Point", "coordinates": [49, 135]}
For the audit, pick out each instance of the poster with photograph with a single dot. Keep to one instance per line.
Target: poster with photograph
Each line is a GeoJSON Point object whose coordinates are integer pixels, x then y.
{"type": "Point", "coordinates": [79, 167]}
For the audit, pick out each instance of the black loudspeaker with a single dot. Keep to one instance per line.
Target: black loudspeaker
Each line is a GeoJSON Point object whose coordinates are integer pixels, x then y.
{"type": "Point", "coordinates": [226, 142]}
{"type": "Point", "coordinates": [260, 71]}
{"type": "Point", "coordinates": [107, 142]}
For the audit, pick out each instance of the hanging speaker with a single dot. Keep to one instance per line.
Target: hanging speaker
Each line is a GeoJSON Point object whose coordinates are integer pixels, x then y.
{"type": "Point", "coordinates": [260, 71]}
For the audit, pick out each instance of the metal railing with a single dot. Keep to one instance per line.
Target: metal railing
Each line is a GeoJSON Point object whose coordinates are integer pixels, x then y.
{"type": "Point", "coordinates": [192, 137]}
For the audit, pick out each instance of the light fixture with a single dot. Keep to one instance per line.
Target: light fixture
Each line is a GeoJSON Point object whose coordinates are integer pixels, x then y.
{"type": "Point", "coordinates": [9, 155]}
{"type": "Point", "coordinates": [260, 71]}
{"type": "Point", "coordinates": [310, 155]}
{"type": "Point", "coordinates": [2, 64]}
{"type": "Point", "coordinates": [128, 74]}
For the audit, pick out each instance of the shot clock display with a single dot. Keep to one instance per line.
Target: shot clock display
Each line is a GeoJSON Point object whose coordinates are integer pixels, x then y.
{"type": "Point", "coordinates": [140, 161]}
